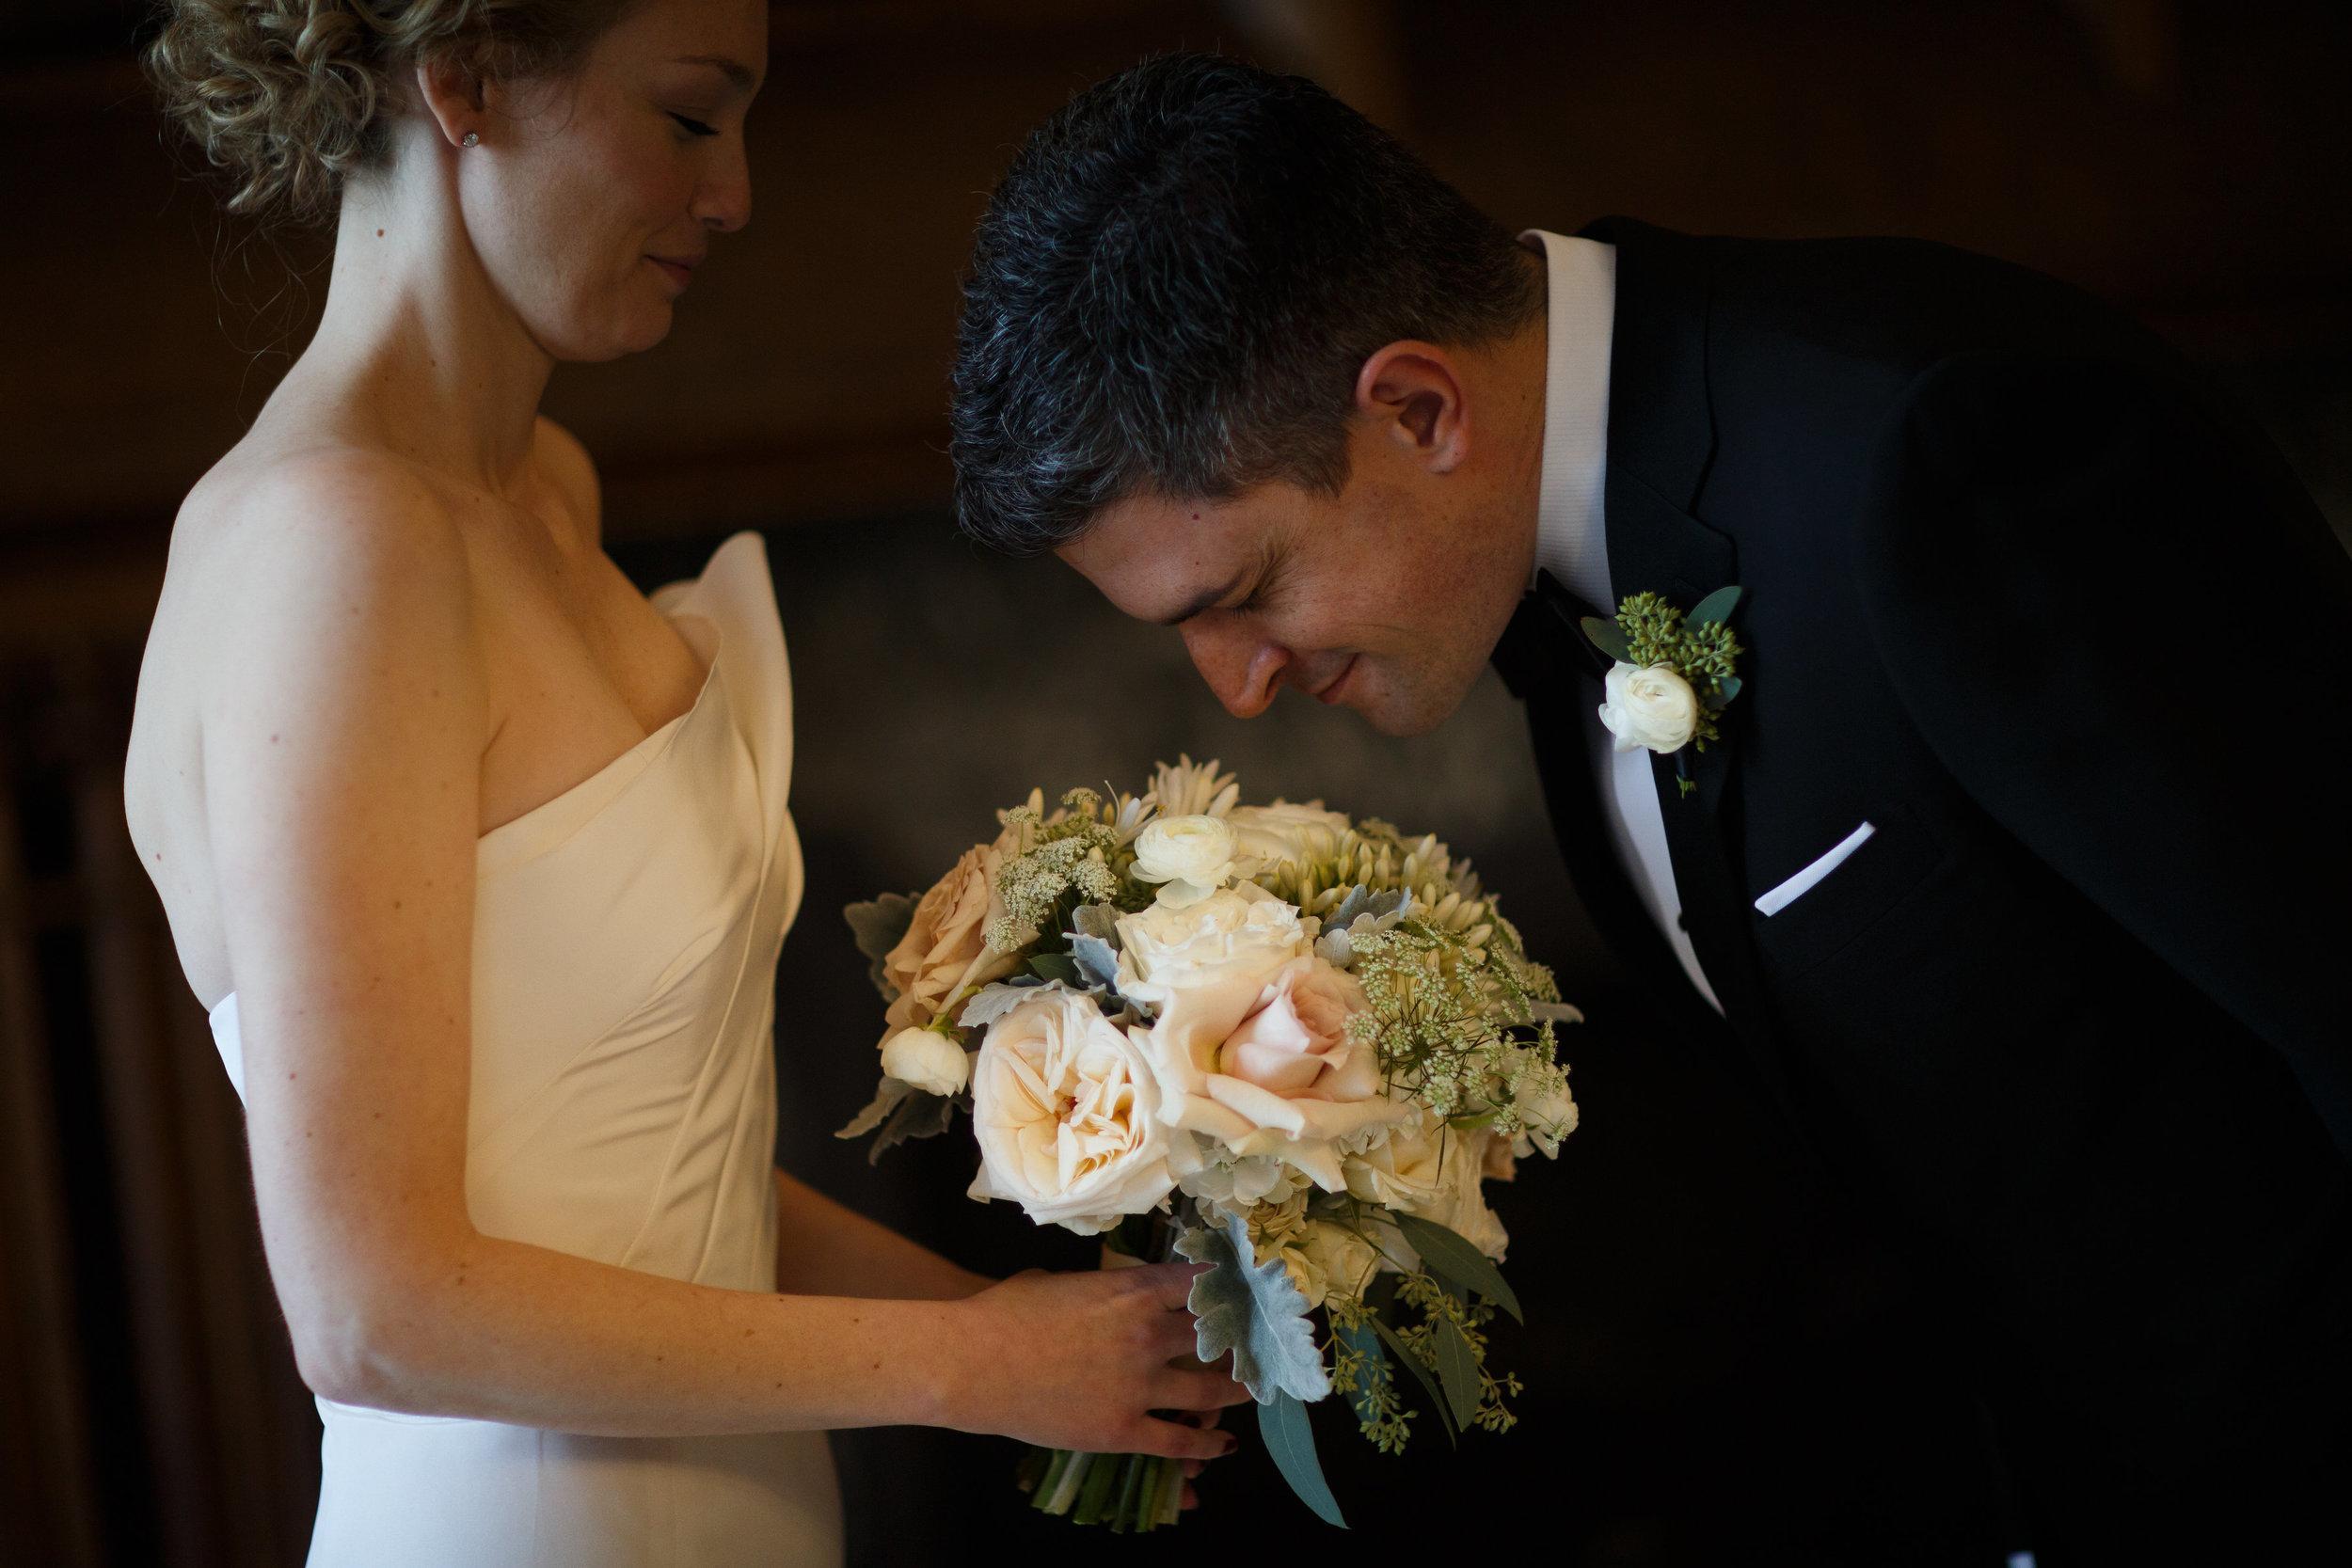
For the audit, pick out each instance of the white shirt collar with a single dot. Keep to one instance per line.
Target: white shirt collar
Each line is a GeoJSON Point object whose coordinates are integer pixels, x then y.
{"type": "Point", "coordinates": [1579, 316]}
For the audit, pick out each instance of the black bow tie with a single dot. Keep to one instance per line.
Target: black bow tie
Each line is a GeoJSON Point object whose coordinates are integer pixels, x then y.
{"type": "Point", "coordinates": [1546, 636]}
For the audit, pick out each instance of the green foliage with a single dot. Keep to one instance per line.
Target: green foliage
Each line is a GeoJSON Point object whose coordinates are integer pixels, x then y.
{"type": "Point", "coordinates": [1450, 1340]}
{"type": "Point", "coordinates": [1447, 1008]}
{"type": "Point", "coordinates": [1701, 648]}
{"type": "Point", "coordinates": [1455, 1260]}
{"type": "Point", "coordinates": [1290, 1442]}
{"type": "Point", "coordinates": [1361, 1369]}
{"type": "Point", "coordinates": [1606, 635]}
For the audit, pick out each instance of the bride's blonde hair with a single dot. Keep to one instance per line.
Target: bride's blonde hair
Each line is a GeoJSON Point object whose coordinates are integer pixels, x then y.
{"type": "Point", "coordinates": [290, 97]}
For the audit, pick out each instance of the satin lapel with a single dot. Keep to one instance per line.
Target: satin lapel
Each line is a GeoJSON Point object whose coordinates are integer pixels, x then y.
{"type": "Point", "coordinates": [1578, 823]}
{"type": "Point", "coordinates": [1661, 435]}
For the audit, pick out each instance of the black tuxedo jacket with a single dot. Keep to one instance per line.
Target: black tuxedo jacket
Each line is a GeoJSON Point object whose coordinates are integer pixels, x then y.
{"type": "Point", "coordinates": [2070, 1026]}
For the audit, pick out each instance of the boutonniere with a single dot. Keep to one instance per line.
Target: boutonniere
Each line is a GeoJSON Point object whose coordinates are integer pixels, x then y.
{"type": "Point", "coordinates": [1674, 674]}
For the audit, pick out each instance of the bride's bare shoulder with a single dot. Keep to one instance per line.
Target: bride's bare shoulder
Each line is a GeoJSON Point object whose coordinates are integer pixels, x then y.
{"type": "Point", "coordinates": [269, 536]}
{"type": "Point", "coordinates": [301, 586]}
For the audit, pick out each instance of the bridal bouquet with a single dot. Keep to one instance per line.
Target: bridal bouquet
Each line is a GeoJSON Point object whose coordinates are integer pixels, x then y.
{"type": "Point", "coordinates": [1268, 1039]}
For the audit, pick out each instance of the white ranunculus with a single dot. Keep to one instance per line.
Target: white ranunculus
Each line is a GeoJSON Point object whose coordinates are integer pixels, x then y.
{"type": "Point", "coordinates": [1653, 707]}
{"type": "Point", "coordinates": [1066, 1111]}
{"type": "Point", "coordinates": [1285, 830]}
{"type": "Point", "coordinates": [1191, 857]}
{"type": "Point", "coordinates": [927, 1059]}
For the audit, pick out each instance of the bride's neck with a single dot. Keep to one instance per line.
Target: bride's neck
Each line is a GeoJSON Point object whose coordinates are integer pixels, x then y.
{"type": "Point", "coordinates": [422, 350]}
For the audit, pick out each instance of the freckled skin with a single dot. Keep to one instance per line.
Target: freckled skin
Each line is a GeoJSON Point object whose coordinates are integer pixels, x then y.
{"type": "Point", "coordinates": [1388, 596]}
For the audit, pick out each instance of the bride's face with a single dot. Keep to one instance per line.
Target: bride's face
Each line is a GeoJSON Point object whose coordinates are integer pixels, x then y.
{"type": "Point", "coordinates": [591, 200]}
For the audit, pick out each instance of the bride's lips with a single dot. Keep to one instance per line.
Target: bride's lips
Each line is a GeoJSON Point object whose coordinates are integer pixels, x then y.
{"type": "Point", "coordinates": [1330, 691]}
{"type": "Point", "coordinates": [679, 273]}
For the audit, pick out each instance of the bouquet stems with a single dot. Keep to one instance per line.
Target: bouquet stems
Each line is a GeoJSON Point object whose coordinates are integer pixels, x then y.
{"type": "Point", "coordinates": [1129, 1492]}
{"type": "Point", "coordinates": [1125, 1491]}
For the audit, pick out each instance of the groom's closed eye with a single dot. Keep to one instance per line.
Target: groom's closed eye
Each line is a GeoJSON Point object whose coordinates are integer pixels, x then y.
{"type": "Point", "coordinates": [1269, 583]}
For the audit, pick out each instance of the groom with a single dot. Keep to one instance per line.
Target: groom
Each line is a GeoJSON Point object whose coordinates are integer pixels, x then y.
{"type": "Point", "coordinates": [2013, 878]}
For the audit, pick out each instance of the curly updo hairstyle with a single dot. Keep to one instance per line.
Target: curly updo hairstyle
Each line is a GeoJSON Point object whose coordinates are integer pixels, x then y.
{"type": "Point", "coordinates": [290, 97]}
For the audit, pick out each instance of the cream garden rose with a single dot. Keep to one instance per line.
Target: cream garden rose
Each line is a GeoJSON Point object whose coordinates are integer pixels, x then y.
{"type": "Point", "coordinates": [1190, 857]}
{"type": "Point", "coordinates": [1427, 1169]}
{"type": "Point", "coordinates": [1209, 959]}
{"type": "Point", "coordinates": [1065, 1106]}
{"type": "Point", "coordinates": [1331, 1261]}
{"type": "Point", "coordinates": [1284, 831]}
{"type": "Point", "coordinates": [1653, 707]}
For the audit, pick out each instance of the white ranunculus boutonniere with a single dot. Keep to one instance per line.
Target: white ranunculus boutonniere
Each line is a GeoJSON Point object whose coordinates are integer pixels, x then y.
{"type": "Point", "coordinates": [1673, 675]}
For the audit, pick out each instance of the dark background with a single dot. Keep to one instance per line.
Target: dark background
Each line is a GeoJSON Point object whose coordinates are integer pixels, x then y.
{"type": "Point", "coordinates": [1701, 1365]}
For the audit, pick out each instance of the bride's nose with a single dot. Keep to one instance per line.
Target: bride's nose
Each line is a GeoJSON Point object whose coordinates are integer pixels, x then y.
{"type": "Point", "coordinates": [1242, 668]}
{"type": "Point", "coordinates": [723, 203]}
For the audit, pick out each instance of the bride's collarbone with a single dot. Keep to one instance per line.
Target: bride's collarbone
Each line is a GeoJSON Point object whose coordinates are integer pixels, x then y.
{"type": "Point", "coordinates": [573, 687]}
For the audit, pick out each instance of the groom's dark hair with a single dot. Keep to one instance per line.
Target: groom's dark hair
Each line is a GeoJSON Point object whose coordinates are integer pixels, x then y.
{"type": "Point", "coordinates": [1176, 283]}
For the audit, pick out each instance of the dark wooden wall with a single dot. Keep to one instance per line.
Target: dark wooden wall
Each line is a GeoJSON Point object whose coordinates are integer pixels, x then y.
{"type": "Point", "coordinates": [2186, 158]}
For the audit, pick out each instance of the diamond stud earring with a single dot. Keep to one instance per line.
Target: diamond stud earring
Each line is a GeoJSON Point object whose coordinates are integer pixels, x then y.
{"type": "Point", "coordinates": [472, 138]}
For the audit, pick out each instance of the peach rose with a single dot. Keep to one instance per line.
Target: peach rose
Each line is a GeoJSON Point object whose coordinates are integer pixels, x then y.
{"type": "Point", "coordinates": [943, 952]}
{"type": "Point", "coordinates": [1286, 1080]}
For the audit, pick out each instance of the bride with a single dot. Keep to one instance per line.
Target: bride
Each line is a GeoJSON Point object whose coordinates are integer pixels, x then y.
{"type": "Point", "coordinates": [481, 860]}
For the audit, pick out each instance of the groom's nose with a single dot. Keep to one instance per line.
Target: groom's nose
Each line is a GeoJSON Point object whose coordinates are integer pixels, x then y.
{"type": "Point", "coordinates": [1242, 668]}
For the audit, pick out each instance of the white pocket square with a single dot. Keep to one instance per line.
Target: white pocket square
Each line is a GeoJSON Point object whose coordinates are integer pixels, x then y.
{"type": "Point", "coordinates": [1801, 883]}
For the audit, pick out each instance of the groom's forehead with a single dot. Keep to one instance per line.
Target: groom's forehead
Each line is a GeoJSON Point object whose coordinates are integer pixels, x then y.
{"type": "Point", "coordinates": [1160, 559]}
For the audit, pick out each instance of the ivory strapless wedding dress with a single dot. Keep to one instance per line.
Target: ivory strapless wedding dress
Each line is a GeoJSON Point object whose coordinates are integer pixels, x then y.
{"type": "Point", "coordinates": [624, 1108]}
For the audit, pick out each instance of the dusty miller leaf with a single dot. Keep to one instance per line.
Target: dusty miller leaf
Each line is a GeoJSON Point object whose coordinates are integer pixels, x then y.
{"type": "Point", "coordinates": [879, 924]}
{"type": "Point", "coordinates": [885, 1101]}
{"type": "Point", "coordinates": [991, 1003]}
{"type": "Point", "coordinates": [918, 1116]}
{"type": "Point", "coordinates": [1255, 1311]}
{"type": "Point", "coordinates": [1097, 962]}
{"type": "Point", "coordinates": [1095, 920]}
{"type": "Point", "coordinates": [900, 1111]}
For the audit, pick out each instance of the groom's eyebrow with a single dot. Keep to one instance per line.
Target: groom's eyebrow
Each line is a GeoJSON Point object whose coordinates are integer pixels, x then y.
{"type": "Point", "coordinates": [1200, 604]}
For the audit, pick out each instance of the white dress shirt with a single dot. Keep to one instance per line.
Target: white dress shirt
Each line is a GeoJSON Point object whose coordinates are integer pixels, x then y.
{"type": "Point", "coordinates": [1571, 544]}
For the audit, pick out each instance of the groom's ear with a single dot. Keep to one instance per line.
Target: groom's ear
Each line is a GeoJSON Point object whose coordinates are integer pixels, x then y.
{"type": "Point", "coordinates": [1415, 396]}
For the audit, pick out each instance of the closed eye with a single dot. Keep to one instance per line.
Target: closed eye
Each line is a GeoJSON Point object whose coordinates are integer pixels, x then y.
{"type": "Point", "coordinates": [697, 126]}
{"type": "Point", "coordinates": [1269, 583]}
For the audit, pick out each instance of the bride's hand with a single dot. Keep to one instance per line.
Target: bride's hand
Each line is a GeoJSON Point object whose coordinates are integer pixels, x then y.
{"type": "Point", "coordinates": [1108, 1348]}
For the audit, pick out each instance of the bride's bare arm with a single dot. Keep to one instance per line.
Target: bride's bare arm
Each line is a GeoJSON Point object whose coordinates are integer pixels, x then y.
{"type": "Point", "coordinates": [824, 1248]}
{"type": "Point", "coordinates": [343, 734]}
